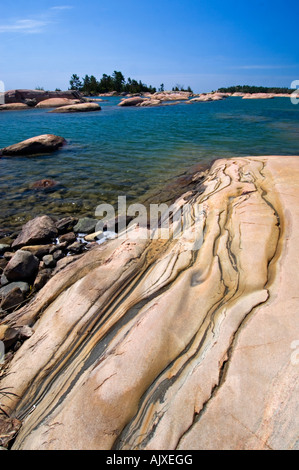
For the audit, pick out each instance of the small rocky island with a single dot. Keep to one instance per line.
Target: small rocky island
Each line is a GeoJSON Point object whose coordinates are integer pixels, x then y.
{"type": "Point", "coordinates": [187, 343]}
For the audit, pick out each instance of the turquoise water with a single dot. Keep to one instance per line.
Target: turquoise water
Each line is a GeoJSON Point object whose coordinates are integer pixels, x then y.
{"type": "Point", "coordinates": [129, 151]}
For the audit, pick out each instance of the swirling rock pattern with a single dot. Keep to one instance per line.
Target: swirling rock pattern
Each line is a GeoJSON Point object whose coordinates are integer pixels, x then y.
{"type": "Point", "coordinates": [172, 343]}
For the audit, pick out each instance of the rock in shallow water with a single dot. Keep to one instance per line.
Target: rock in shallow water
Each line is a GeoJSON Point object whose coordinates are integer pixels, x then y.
{"type": "Point", "coordinates": [38, 230]}
{"type": "Point", "coordinates": [41, 144]}
{"type": "Point", "coordinates": [179, 343]}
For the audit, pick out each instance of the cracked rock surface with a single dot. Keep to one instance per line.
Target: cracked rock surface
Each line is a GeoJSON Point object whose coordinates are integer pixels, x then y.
{"type": "Point", "coordinates": [181, 342]}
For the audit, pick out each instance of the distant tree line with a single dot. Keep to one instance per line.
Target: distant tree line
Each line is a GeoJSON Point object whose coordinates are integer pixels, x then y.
{"type": "Point", "coordinates": [254, 89]}
{"type": "Point", "coordinates": [89, 85]}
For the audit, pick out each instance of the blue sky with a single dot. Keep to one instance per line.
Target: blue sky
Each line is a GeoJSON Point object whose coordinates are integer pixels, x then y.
{"type": "Point", "coordinates": [202, 43]}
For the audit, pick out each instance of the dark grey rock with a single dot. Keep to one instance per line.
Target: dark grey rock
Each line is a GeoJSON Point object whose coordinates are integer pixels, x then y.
{"type": "Point", "coordinates": [41, 279]}
{"type": "Point", "coordinates": [3, 280]}
{"type": "Point", "coordinates": [49, 261]}
{"type": "Point", "coordinates": [66, 224]}
{"type": "Point", "coordinates": [68, 238]}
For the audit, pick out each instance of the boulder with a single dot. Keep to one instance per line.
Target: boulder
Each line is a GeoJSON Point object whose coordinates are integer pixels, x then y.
{"type": "Point", "coordinates": [69, 237]}
{"type": "Point", "coordinates": [23, 266]}
{"type": "Point", "coordinates": [85, 225]}
{"type": "Point", "coordinates": [49, 261]}
{"type": "Point", "coordinates": [76, 247]}
{"type": "Point", "coordinates": [13, 106]}
{"type": "Point", "coordinates": [3, 248]}
{"type": "Point", "coordinates": [39, 230]}
{"type": "Point", "coordinates": [12, 299]}
{"type": "Point", "coordinates": [258, 96]}
{"type": "Point", "coordinates": [56, 103]}
{"type": "Point", "coordinates": [185, 343]}
{"type": "Point", "coordinates": [40, 144]}
{"type": "Point", "coordinates": [66, 224]}
{"type": "Point", "coordinates": [77, 108]}
{"type": "Point", "coordinates": [23, 286]}
{"type": "Point", "coordinates": [21, 96]}
{"type": "Point", "coordinates": [132, 101]}
{"type": "Point", "coordinates": [41, 279]}
{"type": "Point", "coordinates": [9, 427]}
{"type": "Point", "coordinates": [38, 250]}
{"type": "Point", "coordinates": [43, 184]}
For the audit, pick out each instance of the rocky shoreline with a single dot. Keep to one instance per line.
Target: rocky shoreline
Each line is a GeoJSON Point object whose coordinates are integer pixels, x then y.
{"type": "Point", "coordinates": [74, 101]}
{"type": "Point", "coordinates": [164, 343]}
{"type": "Point", "coordinates": [47, 244]}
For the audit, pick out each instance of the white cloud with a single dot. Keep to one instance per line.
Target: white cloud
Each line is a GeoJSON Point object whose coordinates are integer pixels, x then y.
{"type": "Point", "coordinates": [24, 26]}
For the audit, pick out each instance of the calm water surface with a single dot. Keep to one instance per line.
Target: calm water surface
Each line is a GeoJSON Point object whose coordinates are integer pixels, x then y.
{"type": "Point", "coordinates": [129, 151]}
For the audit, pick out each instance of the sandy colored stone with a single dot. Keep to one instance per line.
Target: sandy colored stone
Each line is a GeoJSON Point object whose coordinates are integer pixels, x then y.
{"type": "Point", "coordinates": [134, 101]}
{"type": "Point", "coordinates": [56, 103]}
{"type": "Point", "coordinates": [187, 342]}
{"type": "Point", "coordinates": [13, 106]}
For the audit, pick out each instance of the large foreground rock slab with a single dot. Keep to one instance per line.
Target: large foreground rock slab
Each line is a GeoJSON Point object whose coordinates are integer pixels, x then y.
{"type": "Point", "coordinates": [40, 144]}
{"type": "Point", "coordinates": [187, 341]}
{"type": "Point", "coordinates": [35, 96]}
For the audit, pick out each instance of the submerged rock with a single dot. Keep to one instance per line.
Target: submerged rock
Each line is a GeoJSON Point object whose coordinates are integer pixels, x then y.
{"type": "Point", "coordinates": [40, 144]}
